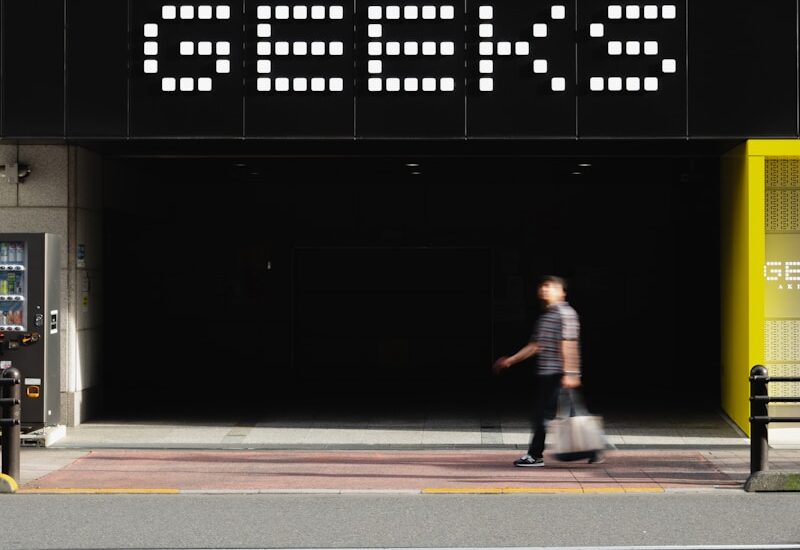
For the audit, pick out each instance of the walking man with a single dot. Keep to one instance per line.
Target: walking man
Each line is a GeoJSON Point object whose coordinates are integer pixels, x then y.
{"type": "Point", "coordinates": [555, 343]}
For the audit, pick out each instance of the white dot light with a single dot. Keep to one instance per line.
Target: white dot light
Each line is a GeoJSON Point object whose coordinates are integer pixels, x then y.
{"type": "Point", "coordinates": [151, 48]}
{"type": "Point", "coordinates": [264, 48]}
{"type": "Point", "coordinates": [410, 12]}
{"type": "Point", "coordinates": [633, 84]}
{"type": "Point", "coordinates": [264, 30]}
{"type": "Point", "coordinates": [300, 48]}
{"type": "Point", "coordinates": [318, 48]}
{"type": "Point", "coordinates": [486, 84]}
{"type": "Point", "coordinates": [336, 12]}
{"type": "Point", "coordinates": [204, 12]}
{"type": "Point", "coordinates": [264, 66]}
{"type": "Point", "coordinates": [615, 12]}
{"type": "Point", "coordinates": [597, 84]}
{"type": "Point", "coordinates": [168, 84]}
{"type": "Point", "coordinates": [223, 66]}
{"type": "Point", "coordinates": [669, 66]}
{"type": "Point", "coordinates": [374, 12]}
{"type": "Point", "coordinates": [429, 48]}
{"type": "Point", "coordinates": [540, 30]}
{"type": "Point", "coordinates": [447, 12]}
{"type": "Point", "coordinates": [615, 47]}
{"type": "Point", "coordinates": [651, 12]}
{"type": "Point", "coordinates": [429, 12]}
{"type": "Point", "coordinates": [299, 12]}
{"type": "Point", "coordinates": [336, 48]}
{"type": "Point", "coordinates": [447, 84]}
{"type": "Point", "coordinates": [281, 48]}
{"type": "Point", "coordinates": [374, 30]}
{"type": "Point", "coordinates": [558, 84]}
{"type": "Point", "coordinates": [486, 48]}
{"type": "Point", "coordinates": [540, 66]}
{"type": "Point", "coordinates": [375, 84]}
{"type": "Point", "coordinates": [282, 84]}
{"type": "Point", "coordinates": [651, 48]}
{"type": "Point", "coordinates": [485, 12]}
{"type": "Point", "coordinates": [317, 12]}
{"type": "Point", "coordinates": [410, 48]}
{"type": "Point", "coordinates": [187, 48]}
{"type": "Point", "coordinates": [187, 12]}
{"type": "Point", "coordinates": [204, 48]}
{"type": "Point", "coordinates": [522, 48]}
{"type": "Point", "coordinates": [558, 12]}
{"type": "Point", "coordinates": [392, 84]}
{"type": "Point", "coordinates": [300, 84]}
{"type": "Point", "coordinates": [668, 12]}
{"type": "Point", "coordinates": [504, 48]}
{"type": "Point", "coordinates": [264, 12]}
{"type": "Point", "coordinates": [596, 30]}
{"type": "Point", "coordinates": [392, 12]}
{"type": "Point", "coordinates": [223, 48]}
{"type": "Point", "coordinates": [374, 66]}
{"type": "Point", "coordinates": [651, 84]}
{"type": "Point", "coordinates": [485, 66]}
{"type": "Point", "coordinates": [428, 84]}
{"type": "Point", "coordinates": [393, 48]}
{"type": "Point", "coordinates": [632, 47]}
{"type": "Point", "coordinates": [317, 84]}
{"type": "Point", "coordinates": [223, 12]}
{"type": "Point", "coordinates": [485, 31]}
{"type": "Point", "coordinates": [375, 48]}
{"type": "Point", "coordinates": [187, 84]}
{"type": "Point", "coordinates": [615, 84]}
{"type": "Point", "coordinates": [168, 12]}
{"type": "Point", "coordinates": [150, 66]}
{"type": "Point", "coordinates": [447, 48]}
{"type": "Point", "coordinates": [281, 12]}
{"type": "Point", "coordinates": [151, 30]}
{"type": "Point", "coordinates": [204, 84]}
{"type": "Point", "coordinates": [632, 12]}
{"type": "Point", "coordinates": [264, 84]}
{"type": "Point", "coordinates": [410, 84]}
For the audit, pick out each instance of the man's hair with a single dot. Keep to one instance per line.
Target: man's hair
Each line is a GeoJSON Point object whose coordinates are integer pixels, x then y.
{"type": "Point", "coordinates": [554, 279]}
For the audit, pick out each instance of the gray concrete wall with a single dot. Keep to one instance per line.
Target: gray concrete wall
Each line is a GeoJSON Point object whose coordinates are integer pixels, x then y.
{"type": "Point", "coordinates": [63, 195]}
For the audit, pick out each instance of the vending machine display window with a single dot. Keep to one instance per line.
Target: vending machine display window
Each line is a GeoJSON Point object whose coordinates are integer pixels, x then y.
{"type": "Point", "coordinates": [13, 313]}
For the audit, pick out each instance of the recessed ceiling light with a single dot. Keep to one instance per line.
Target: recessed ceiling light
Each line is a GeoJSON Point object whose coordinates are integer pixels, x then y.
{"type": "Point", "coordinates": [584, 165]}
{"type": "Point", "coordinates": [412, 164]}
{"type": "Point", "coordinates": [416, 173]}
{"type": "Point", "coordinates": [576, 173]}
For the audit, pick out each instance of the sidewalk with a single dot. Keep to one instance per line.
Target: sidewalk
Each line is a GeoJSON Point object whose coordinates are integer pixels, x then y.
{"type": "Point", "coordinates": [435, 454]}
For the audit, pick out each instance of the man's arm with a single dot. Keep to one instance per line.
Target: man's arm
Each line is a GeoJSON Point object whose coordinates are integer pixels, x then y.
{"type": "Point", "coordinates": [572, 364]}
{"type": "Point", "coordinates": [528, 351]}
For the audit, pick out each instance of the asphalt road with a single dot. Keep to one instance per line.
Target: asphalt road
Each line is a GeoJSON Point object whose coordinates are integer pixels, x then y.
{"type": "Point", "coordinates": [397, 521]}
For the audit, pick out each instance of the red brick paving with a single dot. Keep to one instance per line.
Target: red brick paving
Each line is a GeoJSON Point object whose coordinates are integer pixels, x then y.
{"type": "Point", "coordinates": [269, 470]}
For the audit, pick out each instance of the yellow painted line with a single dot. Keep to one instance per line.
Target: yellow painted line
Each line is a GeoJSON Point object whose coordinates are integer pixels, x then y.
{"type": "Point", "coordinates": [538, 490]}
{"type": "Point", "coordinates": [97, 491]}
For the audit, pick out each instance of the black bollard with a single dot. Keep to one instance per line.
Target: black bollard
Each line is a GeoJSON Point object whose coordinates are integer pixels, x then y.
{"type": "Point", "coordinates": [759, 398]}
{"type": "Point", "coordinates": [10, 383]}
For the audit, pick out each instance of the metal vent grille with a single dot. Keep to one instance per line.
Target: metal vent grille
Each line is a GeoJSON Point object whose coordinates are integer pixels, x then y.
{"type": "Point", "coordinates": [784, 389]}
{"type": "Point", "coordinates": [782, 172]}
{"type": "Point", "coordinates": [783, 210]}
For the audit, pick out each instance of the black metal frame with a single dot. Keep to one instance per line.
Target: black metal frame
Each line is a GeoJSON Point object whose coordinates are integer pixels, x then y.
{"type": "Point", "coordinates": [759, 416]}
{"type": "Point", "coordinates": [10, 418]}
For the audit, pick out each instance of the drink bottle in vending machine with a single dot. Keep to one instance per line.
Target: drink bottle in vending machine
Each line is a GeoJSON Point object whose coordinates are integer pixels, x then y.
{"type": "Point", "coordinates": [30, 301]}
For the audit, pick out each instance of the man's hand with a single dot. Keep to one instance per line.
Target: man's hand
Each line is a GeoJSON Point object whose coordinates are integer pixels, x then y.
{"type": "Point", "coordinates": [501, 364]}
{"type": "Point", "coordinates": [570, 382]}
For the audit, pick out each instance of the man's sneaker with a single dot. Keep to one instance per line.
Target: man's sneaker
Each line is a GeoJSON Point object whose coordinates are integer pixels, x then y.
{"type": "Point", "coordinates": [597, 458]}
{"type": "Point", "coordinates": [528, 461]}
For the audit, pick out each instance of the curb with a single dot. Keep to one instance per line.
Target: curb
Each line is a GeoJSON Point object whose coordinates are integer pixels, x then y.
{"type": "Point", "coordinates": [766, 481]}
{"type": "Point", "coordinates": [7, 484]}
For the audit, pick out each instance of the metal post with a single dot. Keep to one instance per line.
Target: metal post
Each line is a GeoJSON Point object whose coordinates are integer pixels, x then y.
{"type": "Point", "coordinates": [11, 422]}
{"type": "Point", "coordinates": [759, 446]}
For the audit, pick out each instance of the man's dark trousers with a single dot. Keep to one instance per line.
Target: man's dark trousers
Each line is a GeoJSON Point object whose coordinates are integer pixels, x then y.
{"type": "Point", "coordinates": [548, 388]}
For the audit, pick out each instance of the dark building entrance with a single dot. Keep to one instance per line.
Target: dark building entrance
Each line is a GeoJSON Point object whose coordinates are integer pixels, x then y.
{"type": "Point", "coordinates": [250, 286]}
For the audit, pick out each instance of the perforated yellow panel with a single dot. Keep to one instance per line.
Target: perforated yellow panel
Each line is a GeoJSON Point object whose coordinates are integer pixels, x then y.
{"type": "Point", "coordinates": [782, 178]}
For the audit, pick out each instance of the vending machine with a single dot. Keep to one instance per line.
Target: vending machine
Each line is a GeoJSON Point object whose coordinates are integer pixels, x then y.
{"type": "Point", "coordinates": [30, 266]}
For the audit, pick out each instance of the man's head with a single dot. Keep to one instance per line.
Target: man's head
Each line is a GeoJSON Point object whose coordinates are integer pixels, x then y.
{"type": "Point", "coordinates": [552, 289]}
